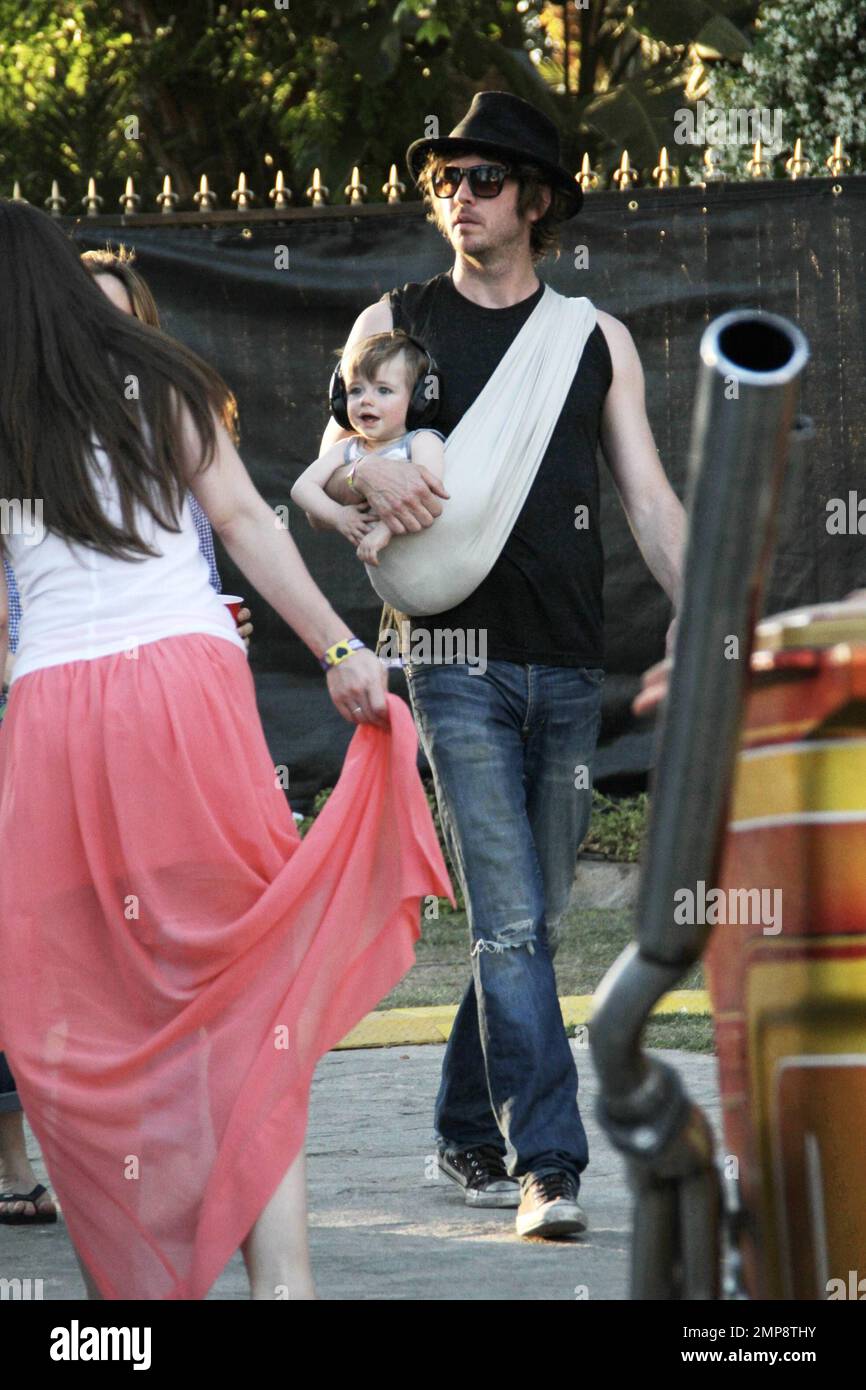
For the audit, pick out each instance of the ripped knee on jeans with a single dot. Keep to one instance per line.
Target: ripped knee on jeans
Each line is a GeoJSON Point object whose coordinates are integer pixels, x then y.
{"type": "Point", "coordinates": [514, 934]}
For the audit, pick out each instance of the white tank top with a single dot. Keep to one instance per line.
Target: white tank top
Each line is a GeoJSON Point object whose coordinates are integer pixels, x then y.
{"type": "Point", "coordinates": [78, 604]}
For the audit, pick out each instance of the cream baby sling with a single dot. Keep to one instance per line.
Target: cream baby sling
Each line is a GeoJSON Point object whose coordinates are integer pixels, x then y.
{"type": "Point", "coordinates": [491, 459]}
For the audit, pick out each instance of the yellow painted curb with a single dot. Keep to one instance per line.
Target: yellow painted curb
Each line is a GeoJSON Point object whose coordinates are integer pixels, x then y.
{"type": "Point", "coordinates": [432, 1023]}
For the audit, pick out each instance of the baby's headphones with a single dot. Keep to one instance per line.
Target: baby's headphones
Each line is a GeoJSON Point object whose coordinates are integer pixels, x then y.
{"type": "Point", "coordinates": [423, 402]}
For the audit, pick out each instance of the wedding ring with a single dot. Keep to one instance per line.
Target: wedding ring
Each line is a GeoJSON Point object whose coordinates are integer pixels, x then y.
{"type": "Point", "coordinates": [358, 709]}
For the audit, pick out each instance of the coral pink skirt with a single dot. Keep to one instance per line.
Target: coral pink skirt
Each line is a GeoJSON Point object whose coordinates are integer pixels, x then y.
{"type": "Point", "coordinates": [175, 958]}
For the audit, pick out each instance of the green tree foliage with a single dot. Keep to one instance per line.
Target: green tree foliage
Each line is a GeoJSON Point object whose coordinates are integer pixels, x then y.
{"type": "Point", "coordinates": [809, 62]}
{"type": "Point", "coordinates": [629, 67]}
{"type": "Point", "coordinates": [217, 88]}
{"type": "Point", "coordinates": [64, 83]}
{"type": "Point", "coordinates": [146, 87]}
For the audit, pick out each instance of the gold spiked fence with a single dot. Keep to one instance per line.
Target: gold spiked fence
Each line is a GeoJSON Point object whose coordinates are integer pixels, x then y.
{"type": "Point", "coordinates": [242, 200]}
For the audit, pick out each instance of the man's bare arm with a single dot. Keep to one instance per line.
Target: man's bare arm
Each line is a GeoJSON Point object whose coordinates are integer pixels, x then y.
{"type": "Point", "coordinates": [654, 512]}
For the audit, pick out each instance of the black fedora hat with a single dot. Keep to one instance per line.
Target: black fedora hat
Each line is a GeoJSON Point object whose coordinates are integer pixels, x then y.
{"type": "Point", "coordinates": [506, 127]}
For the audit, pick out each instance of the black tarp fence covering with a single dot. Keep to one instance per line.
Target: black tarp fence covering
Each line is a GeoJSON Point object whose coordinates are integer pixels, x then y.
{"type": "Point", "coordinates": [665, 262]}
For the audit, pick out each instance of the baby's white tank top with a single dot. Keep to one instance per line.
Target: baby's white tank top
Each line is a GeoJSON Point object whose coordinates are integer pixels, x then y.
{"type": "Point", "coordinates": [399, 449]}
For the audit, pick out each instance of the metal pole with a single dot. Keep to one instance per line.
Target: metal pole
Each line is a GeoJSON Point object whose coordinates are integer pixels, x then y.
{"type": "Point", "coordinates": [744, 411]}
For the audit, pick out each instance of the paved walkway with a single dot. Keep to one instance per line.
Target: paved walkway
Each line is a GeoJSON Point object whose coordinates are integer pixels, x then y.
{"type": "Point", "coordinates": [384, 1226]}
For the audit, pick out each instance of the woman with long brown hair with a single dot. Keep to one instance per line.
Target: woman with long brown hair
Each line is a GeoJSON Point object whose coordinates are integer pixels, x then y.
{"type": "Point", "coordinates": [23, 1200]}
{"type": "Point", "coordinates": [175, 958]}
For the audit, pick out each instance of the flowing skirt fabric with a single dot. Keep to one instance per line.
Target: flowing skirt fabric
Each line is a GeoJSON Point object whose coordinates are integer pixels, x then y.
{"type": "Point", "coordinates": [175, 958]}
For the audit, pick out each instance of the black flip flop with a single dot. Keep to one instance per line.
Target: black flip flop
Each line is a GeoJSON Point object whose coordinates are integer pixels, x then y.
{"type": "Point", "coordinates": [23, 1218]}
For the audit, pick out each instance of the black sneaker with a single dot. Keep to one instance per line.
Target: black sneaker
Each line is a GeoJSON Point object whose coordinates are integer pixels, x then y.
{"type": "Point", "coordinates": [481, 1173]}
{"type": "Point", "coordinates": [549, 1207]}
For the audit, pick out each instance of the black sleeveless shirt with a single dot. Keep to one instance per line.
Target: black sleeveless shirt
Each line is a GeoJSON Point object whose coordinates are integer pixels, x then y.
{"type": "Point", "coordinates": [542, 600]}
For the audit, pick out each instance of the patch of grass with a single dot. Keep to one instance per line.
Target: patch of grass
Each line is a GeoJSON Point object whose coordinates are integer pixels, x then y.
{"type": "Point", "coordinates": [617, 827]}
{"type": "Point", "coordinates": [693, 1033]}
{"type": "Point", "coordinates": [590, 941]}
{"type": "Point", "coordinates": [690, 1032]}
{"type": "Point", "coordinates": [318, 802]}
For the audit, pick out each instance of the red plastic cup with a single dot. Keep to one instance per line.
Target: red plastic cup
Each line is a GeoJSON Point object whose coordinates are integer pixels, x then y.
{"type": "Point", "coordinates": [234, 603]}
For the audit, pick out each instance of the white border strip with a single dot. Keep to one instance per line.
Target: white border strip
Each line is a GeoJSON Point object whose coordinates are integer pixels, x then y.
{"type": "Point", "coordinates": [780, 750]}
{"type": "Point", "coordinates": [799, 818]}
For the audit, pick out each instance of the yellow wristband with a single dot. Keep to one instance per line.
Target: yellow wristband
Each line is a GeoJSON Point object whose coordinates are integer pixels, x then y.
{"type": "Point", "coordinates": [340, 651]}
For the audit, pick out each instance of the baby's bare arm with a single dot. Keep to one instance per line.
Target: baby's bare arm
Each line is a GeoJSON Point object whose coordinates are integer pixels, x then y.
{"type": "Point", "coordinates": [375, 540]}
{"type": "Point", "coordinates": [309, 491]}
{"type": "Point", "coordinates": [428, 451]}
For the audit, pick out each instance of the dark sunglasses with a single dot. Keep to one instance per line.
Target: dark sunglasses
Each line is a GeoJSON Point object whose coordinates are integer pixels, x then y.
{"type": "Point", "coordinates": [485, 180]}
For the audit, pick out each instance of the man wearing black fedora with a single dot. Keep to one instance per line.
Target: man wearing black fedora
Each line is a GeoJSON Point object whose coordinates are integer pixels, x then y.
{"type": "Point", "coordinates": [511, 748]}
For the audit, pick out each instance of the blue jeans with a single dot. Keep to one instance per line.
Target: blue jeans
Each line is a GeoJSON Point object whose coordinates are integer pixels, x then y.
{"type": "Point", "coordinates": [505, 748]}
